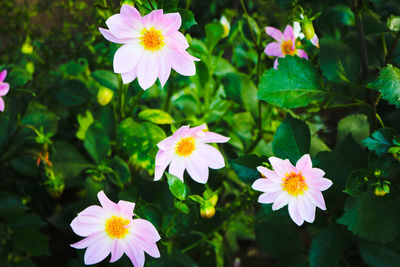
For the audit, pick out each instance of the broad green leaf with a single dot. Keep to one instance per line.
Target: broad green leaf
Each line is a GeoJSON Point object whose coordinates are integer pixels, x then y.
{"type": "Point", "coordinates": [339, 62]}
{"type": "Point", "coordinates": [10, 205]}
{"type": "Point", "coordinates": [106, 78]}
{"type": "Point", "coordinates": [121, 174]}
{"type": "Point", "coordinates": [18, 77]}
{"type": "Point", "coordinates": [176, 186]}
{"type": "Point", "coordinates": [36, 245]}
{"type": "Point", "coordinates": [38, 116]}
{"type": "Point", "coordinates": [357, 183]}
{"type": "Point", "coordinates": [188, 19]}
{"type": "Point", "coordinates": [291, 140]}
{"type": "Point", "coordinates": [294, 84]}
{"type": "Point", "coordinates": [233, 87]}
{"type": "Point", "coordinates": [373, 218]}
{"type": "Point", "coordinates": [156, 116]}
{"type": "Point", "coordinates": [328, 246]}
{"type": "Point", "coordinates": [71, 92]}
{"type": "Point", "coordinates": [388, 83]}
{"type": "Point", "coordinates": [97, 142]}
{"type": "Point", "coordinates": [377, 255]}
{"type": "Point", "coordinates": [222, 66]}
{"type": "Point", "coordinates": [380, 141]}
{"type": "Point", "coordinates": [245, 167]}
{"type": "Point", "coordinates": [214, 33]}
{"type": "Point", "coordinates": [73, 68]}
{"type": "Point", "coordinates": [198, 199]}
{"type": "Point", "coordinates": [356, 124]}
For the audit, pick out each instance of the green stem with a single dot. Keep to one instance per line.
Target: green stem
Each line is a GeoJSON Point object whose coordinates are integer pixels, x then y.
{"type": "Point", "coordinates": [248, 21]}
{"type": "Point", "coordinates": [360, 33]}
{"type": "Point", "coordinates": [168, 99]}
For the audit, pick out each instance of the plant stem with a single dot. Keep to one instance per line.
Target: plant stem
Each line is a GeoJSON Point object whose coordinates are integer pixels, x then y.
{"type": "Point", "coordinates": [248, 21]}
{"type": "Point", "coordinates": [361, 38]}
{"type": "Point", "coordinates": [135, 102]}
{"type": "Point", "coordinates": [168, 99]}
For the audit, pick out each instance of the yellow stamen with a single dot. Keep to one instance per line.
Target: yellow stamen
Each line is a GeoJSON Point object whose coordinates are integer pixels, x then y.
{"type": "Point", "coordinates": [152, 39]}
{"type": "Point", "coordinates": [115, 227]}
{"type": "Point", "coordinates": [294, 184]}
{"type": "Point", "coordinates": [287, 48]}
{"type": "Point", "coordinates": [185, 146]}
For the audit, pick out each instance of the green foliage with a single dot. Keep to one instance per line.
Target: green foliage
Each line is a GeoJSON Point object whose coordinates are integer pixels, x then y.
{"type": "Point", "coordinates": [106, 78]}
{"type": "Point", "coordinates": [176, 186]}
{"type": "Point", "coordinates": [356, 124]}
{"type": "Point", "coordinates": [388, 83]}
{"type": "Point", "coordinates": [294, 84]}
{"type": "Point", "coordinates": [97, 142]}
{"type": "Point", "coordinates": [357, 183]}
{"type": "Point", "coordinates": [156, 116]}
{"type": "Point", "coordinates": [380, 141]}
{"type": "Point", "coordinates": [245, 167]}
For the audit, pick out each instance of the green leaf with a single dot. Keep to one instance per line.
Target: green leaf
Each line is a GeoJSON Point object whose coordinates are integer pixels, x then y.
{"type": "Point", "coordinates": [18, 77]}
{"type": "Point", "coordinates": [122, 173]}
{"type": "Point", "coordinates": [38, 116]}
{"type": "Point", "coordinates": [10, 205]}
{"type": "Point", "coordinates": [245, 167]}
{"type": "Point", "coordinates": [233, 87]}
{"type": "Point", "coordinates": [328, 246]}
{"type": "Point", "coordinates": [373, 218]}
{"type": "Point", "coordinates": [176, 186]}
{"type": "Point", "coordinates": [222, 66]}
{"type": "Point", "coordinates": [187, 18]}
{"type": "Point", "coordinates": [214, 33]}
{"type": "Point", "coordinates": [97, 142]}
{"type": "Point", "coordinates": [339, 62]}
{"type": "Point", "coordinates": [179, 205]}
{"type": "Point", "coordinates": [198, 199]}
{"type": "Point", "coordinates": [291, 140]}
{"type": "Point", "coordinates": [377, 255]}
{"type": "Point", "coordinates": [73, 68]}
{"type": "Point", "coordinates": [388, 83]}
{"type": "Point", "coordinates": [356, 124]}
{"type": "Point", "coordinates": [380, 141]}
{"type": "Point", "coordinates": [294, 84]}
{"type": "Point", "coordinates": [71, 92]}
{"type": "Point", "coordinates": [106, 78]}
{"type": "Point", "coordinates": [156, 116]}
{"type": "Point", "coordinates": [32, 242]}
{"type": "Point", "coordinates": [356, 184]}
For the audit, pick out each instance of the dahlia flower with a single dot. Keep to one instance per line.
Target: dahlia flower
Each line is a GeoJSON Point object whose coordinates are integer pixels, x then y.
{"type": "Point", "coordinates": [300, 187]}
{"type": "Point", "coordinates": [4, 87]}
{"type": "Point", "coordinates": [109, 228]}
{"type": "Point", "coordinates": [285, 44]}
{"type": "Point", "coordinates": [187, 149]}
{"type": "Point", "coordinates": [152, 45]}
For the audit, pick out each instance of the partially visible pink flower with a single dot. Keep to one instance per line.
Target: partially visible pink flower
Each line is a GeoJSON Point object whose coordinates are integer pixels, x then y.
{"type": "Point", "coordinates": [152, 45]}
{"type": "Point", "coordinates": [4, 88]}
{"type": "Point", "coordinates": [187, 149]}
{"type": "Point", "coordinates": [109, 228]}
{"type": "Point", "coordinates": [300, 187]}
{"type": "Point", "coordinates": [285, 44]}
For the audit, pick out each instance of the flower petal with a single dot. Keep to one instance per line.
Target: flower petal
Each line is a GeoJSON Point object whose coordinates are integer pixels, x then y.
{"type": "Point", "coordinates": [315, 40]}
{"type": "Point", "coordinates": [313, 174]}
{"type": "Point", "coordinates": [116, 250]}
{"type": "Point", "coordinates": [170, 22]}
{"type": "Point", "coordinates": [148, 70]}
{"type": "Point", "coordinates": [3, 75]}
{"type": "Point", "coordinates": [210, 155]}
{"type": "Point", "coordinates": [307, 209]}
{"type": "Point", "coordinates": [163, 158]}
{"type": "Point", "coordinates": [274, 49]}
{"type": "Point", "coordinates": [288, 33]}
{"type": "Point", "coordinates": [176, 41]}
{"type": "Point", "coordinates": [107, 204]}
{"type": "Point", "coordinates": [274, 33]}
{"type": "Point", "coordinates": [135, 252]}
{"type": "Point", "coordinates": [281, 201]}
{"type": "Point", "coordinates": [177, 167]}
{"type": "Point", "coordinates": [268, 198]}
{"type": "Point", "coordinates": [182, 62]}
{"type": "Point", "coordinates": [110, 37]}
{"type": "Point", "coordinates": [320, 184]}
{"type": "Point", "coordinates": [128, 77]}
{"type": "Point", "coordinates": [4, 88]}
{"type": "Point", "coordinates": [276, 64]}
{"type": "Point", "coordinates": [294, 212]}
{"type": "Point", "coordinates": [152, 19]}
{"type": "Point", "coordinates": [165, 68]}
{"type": "Point", "coordinates": [144, 230]}
{"type": "Point", "coordinates": [93, 212]}
{"type": "Point", "coordinates": [1, 104]}
{"type": "Point", "coordinates": [271, 175]}
{"type": "Point", "coordinates": [126, 208]}
{"type": "Point", "coordinates": [316, 198]}
{"type": "Point", "coordinates": [90, 240]}
{"type": "Point", "coordinates": [304, 163]}
{"type": "Point", "coordinates": [302, 54]}
{"type": "Point", "coordinates": [121, 29]}
{"type": "Point", "coordinates": [98, 251]}
{"type": "Point", "coordinates": [86, 225]}
{"type": "Point", "coordinates": [211, 137]}
{"type": "Point", "coordinates": [128, 57]}
{"type": "Point", "coordinates": [197, 169]}
{"type": "Point", "coordinates": [131, 15]}
{"type": "Point", "coordinates": [280, 166]}
{"type": "Point", "coordinates": [150, 247]}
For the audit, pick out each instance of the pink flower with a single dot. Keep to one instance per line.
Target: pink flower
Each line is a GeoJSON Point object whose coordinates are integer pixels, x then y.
{"type": "Point", "coordinates": [111, 229]}
{"type": "Point", "coordinates": [152, 45]}
{"type": "Point", "coordinates": [188, 149]}
{"type": "Point", "coordinates": [299, 186]}
{"type": "Point", "coordinates": [4, 88]}
{"type": "Point", "coordinates": [285, 45]}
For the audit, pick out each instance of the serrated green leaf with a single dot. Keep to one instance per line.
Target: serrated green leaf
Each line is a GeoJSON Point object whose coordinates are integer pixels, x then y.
{"type": "Point", "coordinates": [176, 186]}
{"type": "Point", "coordinates": [245, 167]}
{"type": "Point", "coordinates": [356, 183]}
{"type": "Point", "coordinates": [373, 218]}
{"type": "Point", "coordinates": [377, 255]}
{"type": "Point", "coordinates": [388, 83]}
{"type": "Point", "coordinates": [380, 141]}
{"type": "Point", "coordinates": [292, 139]}
{"type": "Point", "coordinates": [294, 84]}
{"type": "Point", "coordinates": [156, 116]}
{"type": "Point", "coordinates": [328, 246]}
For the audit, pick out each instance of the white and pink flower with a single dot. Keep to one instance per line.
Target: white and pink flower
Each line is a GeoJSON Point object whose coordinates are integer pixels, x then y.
{"type": "Point", "coordinates": [4, 88]}
{"type": "Point", "coordinates": [152, 45]}
{"type": "Point", "coordinates": [109, 228]}
{"type": "Point", "coordinates": [298, 186]}
{"type": "Point", "coordinates": [188, 149]}
{"type": "Point", "coordinates": [285, 44]}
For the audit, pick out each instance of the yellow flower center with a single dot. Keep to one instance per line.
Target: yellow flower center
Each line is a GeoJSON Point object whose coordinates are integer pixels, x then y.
{"type": "Point", "coordinates": [152, 39]}
{"type": "Point", "coordinates": [115, 227]}
{"type": "Point", "coordinates": [287, 48]}
{"type": "Point", "coordinates": [294, 184]}
{"type": "Point", "coordinates": [185, 146]}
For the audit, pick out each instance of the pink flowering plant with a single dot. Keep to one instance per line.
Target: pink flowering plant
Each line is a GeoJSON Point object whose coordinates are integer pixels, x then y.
{"type": "Point", "coordinates": [199, 133]}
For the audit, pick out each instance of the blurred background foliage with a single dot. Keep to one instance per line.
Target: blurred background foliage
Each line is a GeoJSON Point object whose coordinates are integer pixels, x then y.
{"type": "Point", "coordinates": [61, 142]}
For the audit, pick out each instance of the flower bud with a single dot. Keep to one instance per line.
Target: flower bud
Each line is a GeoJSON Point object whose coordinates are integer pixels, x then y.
{"type": "Point", "coordinates": [207, 210]}
{"type": "Point", "coordinates": [308, 29]}
{"type": "Point", "coordinates": [226, 25]}
{"type": "Point", "coordinates": [380, 191]}
{"type": "Point", "coordinates": [213, 200]}
{"type": "Point", "coordinates": [104, 96]}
